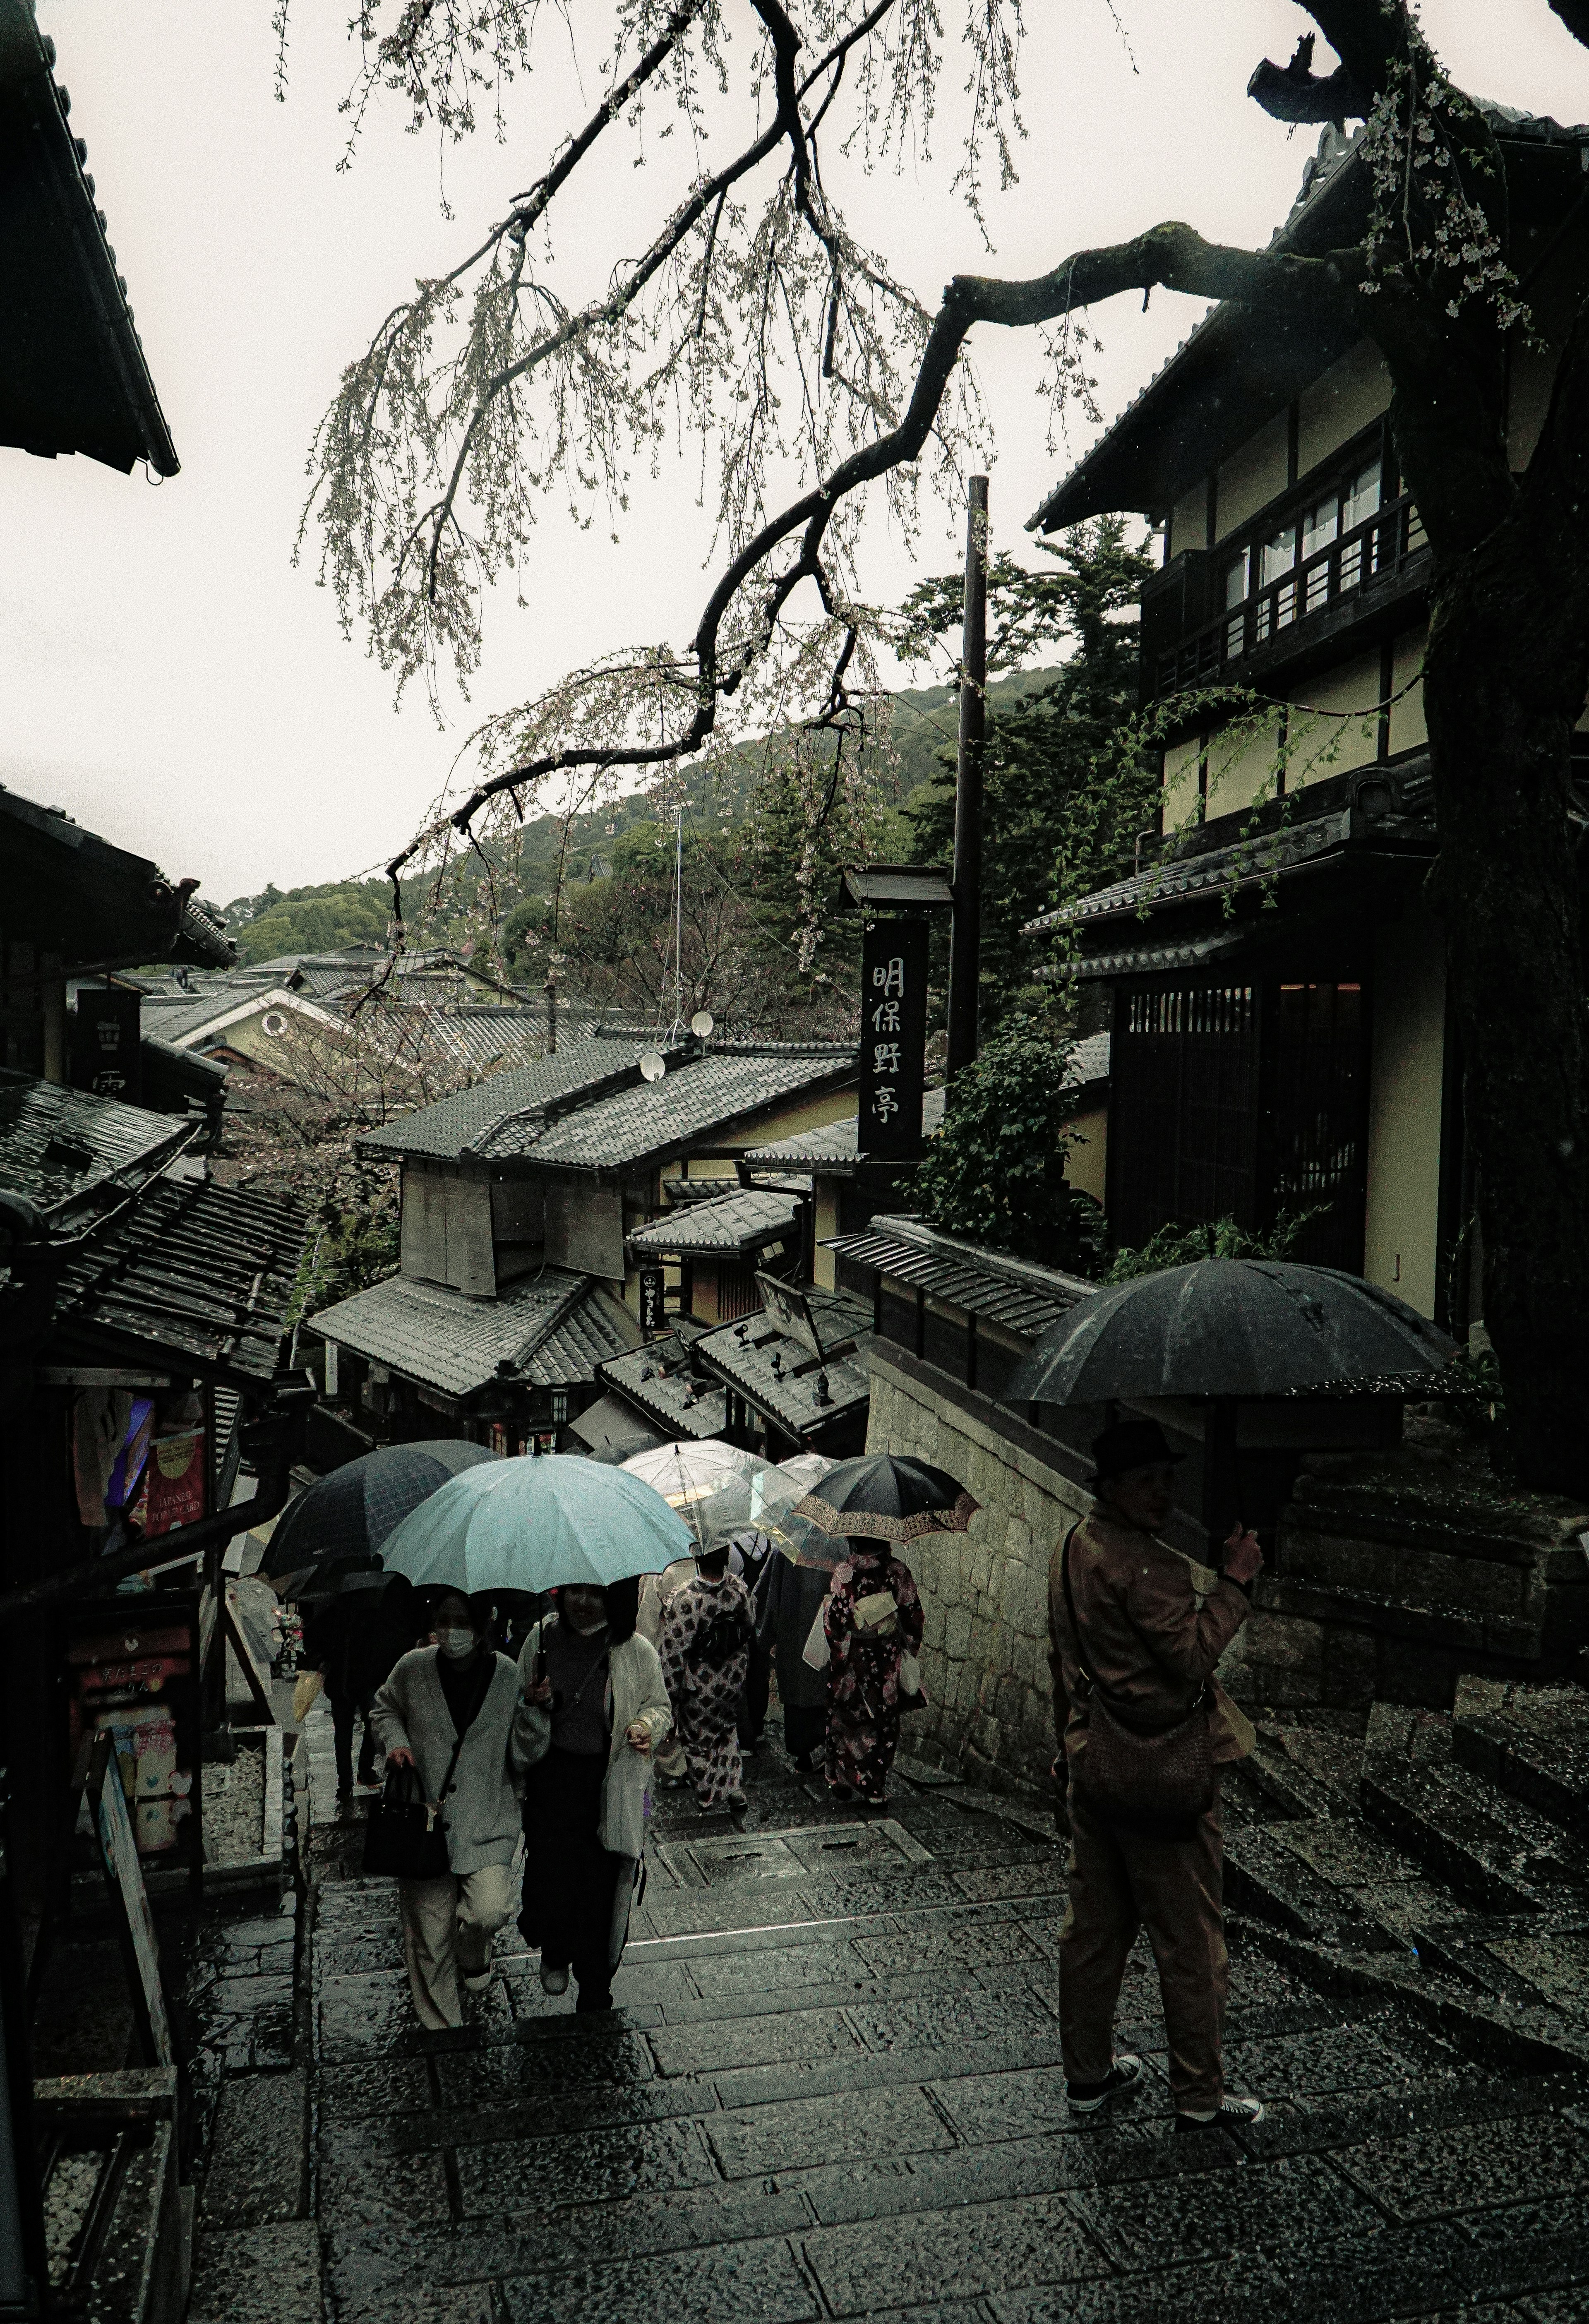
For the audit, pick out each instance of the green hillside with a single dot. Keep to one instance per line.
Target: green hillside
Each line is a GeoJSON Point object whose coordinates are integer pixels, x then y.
{"type": "Point", "coordinates": [336, 914]}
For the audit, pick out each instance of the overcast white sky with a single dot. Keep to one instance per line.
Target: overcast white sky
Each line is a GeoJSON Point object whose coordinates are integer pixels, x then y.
{"type": "Point", "coordinates": [171, 680]}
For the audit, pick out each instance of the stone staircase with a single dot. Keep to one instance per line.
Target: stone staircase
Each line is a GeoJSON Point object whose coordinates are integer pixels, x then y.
{"type": "Point", "coordinates": [833, 2088]}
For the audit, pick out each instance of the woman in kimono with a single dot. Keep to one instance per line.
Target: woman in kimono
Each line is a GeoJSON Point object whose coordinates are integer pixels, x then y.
{"type": "Point", "coordinates": [595, 1710]}
{"type": "Point", "coordinates": [874, 1619]}
{"type": "Point", "coordinates": [705, 1648]}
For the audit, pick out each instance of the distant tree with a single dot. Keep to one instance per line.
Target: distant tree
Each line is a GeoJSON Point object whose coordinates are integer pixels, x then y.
{"type": "Point", "coordinates": [326, 918]}
{"type": "Point", "coordinates": [996, 1171]}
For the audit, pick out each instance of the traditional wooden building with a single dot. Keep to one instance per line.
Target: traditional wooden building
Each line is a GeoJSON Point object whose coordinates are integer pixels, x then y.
{"type": "Point", "coordinates": [1281, 1039]}
{"type": "Point", "coordinates": [523, 1199]}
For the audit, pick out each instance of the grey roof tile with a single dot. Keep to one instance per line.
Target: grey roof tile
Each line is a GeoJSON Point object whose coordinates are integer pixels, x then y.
{"type": "Point", "coordinates": [743, 1221]}
{"type": "Point", "coordinates": [701, 1094]}
{"type": "Point", "coordinates": [552, 1330]}
{"type": "Point", "coordinates": [781, 1376]}
{"type": "Point", "coordinates": [500, 1104]}
{"type": "Point", "coordinates": [1014, 1292]}
{"type": "Point", "coordinates": [59, 1147]}
{"type": "Point", "coordinates": [559, 1112]}
{"type": "Point", "coordinates": [662, 1382]}
{"type": "Point", "coordinates": [202, 1274]}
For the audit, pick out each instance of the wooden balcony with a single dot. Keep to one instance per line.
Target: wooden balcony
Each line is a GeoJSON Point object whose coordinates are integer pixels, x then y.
{"type": "Point", "coordinates": [1311, 614]}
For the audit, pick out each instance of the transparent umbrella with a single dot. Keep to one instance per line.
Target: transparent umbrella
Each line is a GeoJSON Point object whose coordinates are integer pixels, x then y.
{"type": "Point", "coordinates": [711, 1484]}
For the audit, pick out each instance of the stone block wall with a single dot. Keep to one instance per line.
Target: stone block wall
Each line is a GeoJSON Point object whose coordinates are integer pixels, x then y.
{"type": "Point", "coordinates": [984, 1593]}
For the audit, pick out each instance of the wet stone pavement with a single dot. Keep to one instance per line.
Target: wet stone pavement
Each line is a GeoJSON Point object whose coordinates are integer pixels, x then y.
{"type": "Point", "coordinates": [832, 2089]}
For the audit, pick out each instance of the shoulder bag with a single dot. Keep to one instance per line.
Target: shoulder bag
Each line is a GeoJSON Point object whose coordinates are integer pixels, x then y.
{"type": "Point", "coordinates": [1154, 1780]}
{"type": "Point", "coordinates": [405, 1837]}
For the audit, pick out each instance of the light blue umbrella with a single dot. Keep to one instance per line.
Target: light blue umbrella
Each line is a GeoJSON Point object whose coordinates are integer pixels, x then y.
{"type": "Point", "coordinates": [537, 1524]}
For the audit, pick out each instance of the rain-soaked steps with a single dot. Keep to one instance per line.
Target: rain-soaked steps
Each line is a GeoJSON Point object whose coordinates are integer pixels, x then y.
{"type": "Point", "coordinates": [833, 2089]}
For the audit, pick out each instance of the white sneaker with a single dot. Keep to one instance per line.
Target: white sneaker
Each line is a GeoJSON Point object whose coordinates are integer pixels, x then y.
{"type": "Point", "coordinates": [553, 1980]}
{"type": "Point", "coordinates": [1124, 2074]}
{"type": "Point", "coordinates": [1231, 2114]}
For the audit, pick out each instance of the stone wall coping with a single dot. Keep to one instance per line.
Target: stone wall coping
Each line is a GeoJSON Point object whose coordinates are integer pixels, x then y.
{"type": "Point", "coordinates": [905, 1227]}
{"type": "Point", "coordinates": [1039, 1460]}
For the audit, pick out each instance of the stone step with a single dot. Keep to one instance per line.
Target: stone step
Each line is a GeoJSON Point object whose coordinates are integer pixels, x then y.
{"type": "Point", "coordinates": [1267, 1875]}
{"type": "Point", "coordinates": [1493, 1850]}
{"type": "Point", "coordinates": [1531, 1741]}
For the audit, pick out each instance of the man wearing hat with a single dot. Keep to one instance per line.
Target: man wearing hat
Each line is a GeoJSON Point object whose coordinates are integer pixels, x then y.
{"type": "Point", "coordinates": [1152, 1626]}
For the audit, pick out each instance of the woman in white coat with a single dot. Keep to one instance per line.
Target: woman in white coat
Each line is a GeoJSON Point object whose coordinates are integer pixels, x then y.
{"type": "Point", "coordinates": [595, 1710]}
{"type": "Point", "coordinates": [456, 1694]}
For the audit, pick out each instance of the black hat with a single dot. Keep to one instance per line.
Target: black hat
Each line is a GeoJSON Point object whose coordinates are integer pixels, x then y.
{"type": "Point", "coordinates": [1130, 1444]}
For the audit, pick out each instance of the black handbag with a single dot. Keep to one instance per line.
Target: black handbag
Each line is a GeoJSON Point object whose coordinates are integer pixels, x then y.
{"type": "Point", "coordinates": [1155, 1780]}
{"type": "Point", "coordinates": [405, 1835]}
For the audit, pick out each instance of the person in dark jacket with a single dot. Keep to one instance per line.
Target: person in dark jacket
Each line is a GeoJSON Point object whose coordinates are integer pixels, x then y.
{"type": "Point", "coordinates": [789, 1603]}
{"type": "Point", "coordinates": [1152, 1625]}
{"type": "Point", "coordinates": [750, 1553]}
{"type": "Point", "coordinates": [353, 1642]}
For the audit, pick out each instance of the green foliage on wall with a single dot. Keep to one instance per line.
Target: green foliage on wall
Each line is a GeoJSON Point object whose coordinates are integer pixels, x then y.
{"type": "Point", "coordinates": [996, 1172]}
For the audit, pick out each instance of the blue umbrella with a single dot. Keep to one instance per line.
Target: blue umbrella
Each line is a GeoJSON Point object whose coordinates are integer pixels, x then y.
{"type": "Point", "coordinates": [538, 1524]}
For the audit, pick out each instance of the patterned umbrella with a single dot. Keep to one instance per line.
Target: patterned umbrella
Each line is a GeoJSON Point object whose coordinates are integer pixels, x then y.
{"type": "Point", "coordinates": [888, 1497]}
{"type": "Point", "coordinates": [341, 1522]}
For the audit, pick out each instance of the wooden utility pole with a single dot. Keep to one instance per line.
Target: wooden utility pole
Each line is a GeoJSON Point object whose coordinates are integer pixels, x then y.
{"type": "Point", "coordinates": [965, 937]}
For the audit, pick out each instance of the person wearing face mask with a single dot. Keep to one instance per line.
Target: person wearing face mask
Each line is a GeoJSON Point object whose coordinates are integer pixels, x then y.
{"type": "Point", "coordinates": [450, 1709]}
{"type": "Point", "coordinates": [595, 1708]}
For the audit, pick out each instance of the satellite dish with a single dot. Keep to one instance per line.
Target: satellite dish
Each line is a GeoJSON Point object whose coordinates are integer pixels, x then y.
{"type": "Point", "coordinates": [700, 1024]}
{"type": "Point", "coordinates": [653, 1067]}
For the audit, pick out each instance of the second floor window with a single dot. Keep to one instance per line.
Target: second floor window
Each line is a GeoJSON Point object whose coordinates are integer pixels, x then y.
{"type": "Point", "coordinates": [1360, 500]}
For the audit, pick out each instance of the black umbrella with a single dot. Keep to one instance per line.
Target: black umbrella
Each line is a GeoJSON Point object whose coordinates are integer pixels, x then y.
{"type": "Point", "coordinates": [1231, 1327]}
{"type": "Point", "coordinates": [890, 1497]}
{"type": "Point", "coordinates": [344, 1518]}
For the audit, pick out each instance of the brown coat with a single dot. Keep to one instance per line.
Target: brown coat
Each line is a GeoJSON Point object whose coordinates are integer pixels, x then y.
{"type": "Point", "coordinates": [1155, 1624]}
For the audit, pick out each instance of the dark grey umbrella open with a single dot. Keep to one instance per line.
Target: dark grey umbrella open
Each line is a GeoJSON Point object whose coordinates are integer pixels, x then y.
{"type": "Point", "coordinates": [344, 1517]}
{"type": "Point", "coordinates": [1236, 1327]}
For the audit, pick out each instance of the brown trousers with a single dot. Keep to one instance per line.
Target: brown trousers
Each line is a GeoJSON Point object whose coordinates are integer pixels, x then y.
{"type": "Point", "coordinates": [1121, 1882]}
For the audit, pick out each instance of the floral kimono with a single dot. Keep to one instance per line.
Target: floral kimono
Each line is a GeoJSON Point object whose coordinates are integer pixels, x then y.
{"type": "Point", "coordinates": [706, 1645]}
{"type": "Point", "coordinates": [864, 1671]}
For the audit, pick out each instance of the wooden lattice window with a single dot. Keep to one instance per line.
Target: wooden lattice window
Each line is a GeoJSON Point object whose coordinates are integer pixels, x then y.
{"type": "Point", "coordinates": [1239, 1101]}
{"type": "Point", "coordinates": [1183, 1102]}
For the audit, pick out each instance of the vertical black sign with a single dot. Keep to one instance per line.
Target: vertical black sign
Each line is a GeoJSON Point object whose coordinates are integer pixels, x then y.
{"type": "Point", "coordinates": [104, 1033]}
{"type": "Point", "coordinates": [893, 1038]}
{"type": "Point", "coordinates": [651, 1315]}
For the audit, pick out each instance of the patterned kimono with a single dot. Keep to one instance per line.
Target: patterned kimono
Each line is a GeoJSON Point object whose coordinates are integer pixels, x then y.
{"type": "Point", "coordinates": [863, 1672]}
{"type": "Point", "coordinates": [705, 1645]}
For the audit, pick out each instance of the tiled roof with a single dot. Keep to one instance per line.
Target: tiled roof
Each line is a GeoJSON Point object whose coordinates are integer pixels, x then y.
{"type": "Point", "coordinates": [200, 1274]}
{"type": "Point", "coordinates": [549, 1332]}
{"type": "Point", "coordinates": [835, 1142]}
{"type": "Point", "coordinates": [63, 1148]}
{"type": "Point", "coordinates": [693, 1097]}
{"type": "Point", "coordinates": [1213, 871]}
{"type": "Point", "coordinates": [184, 1017]}
{"type": "Point", "coordinates": [781, 1376]}
{"type": "Point", "coordinates": [559, 1112]}
{"type": "Point", "coordinates": [1328, 215]}
{"type": "Point", "coordinates": [662, 1382]}
{"type": "Point", "coordinates": [1014, 1292]}
{"type": "Point", "coordinates": [494, 1115]}
{"type": "Point", "coordinates": [75, 378]}
{"type": "Point", "coordinates": [743, 1221]}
